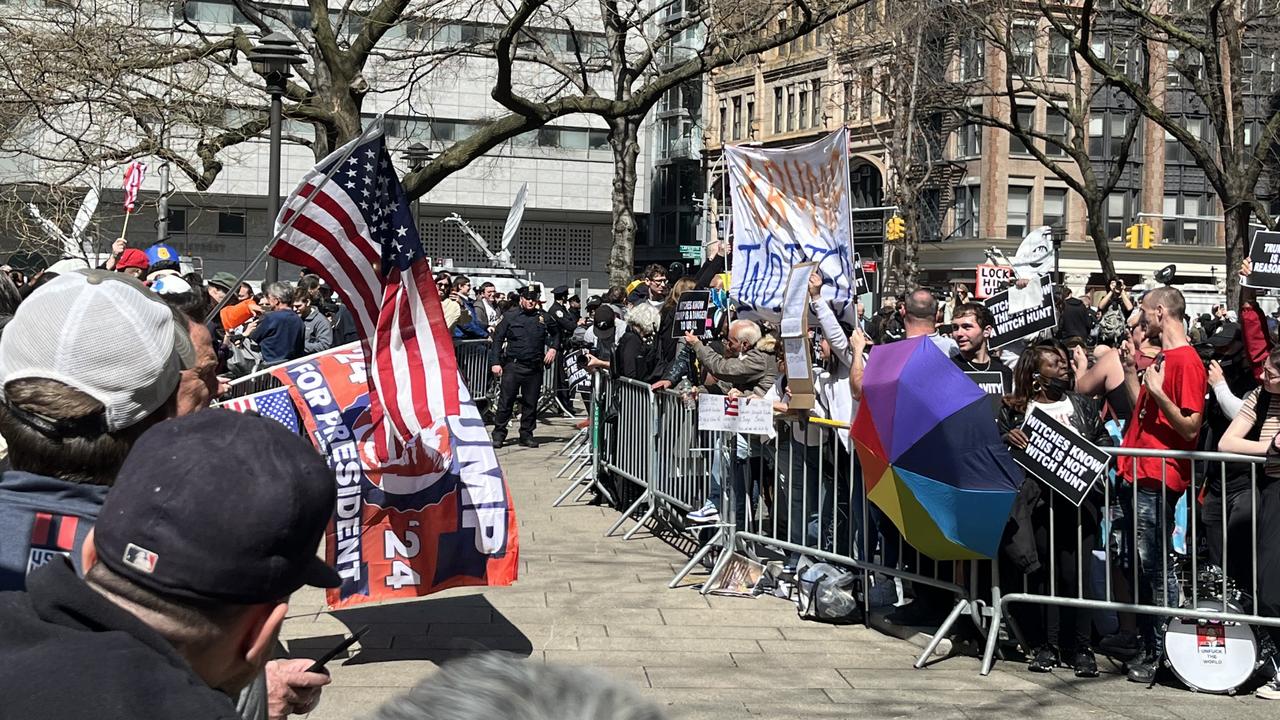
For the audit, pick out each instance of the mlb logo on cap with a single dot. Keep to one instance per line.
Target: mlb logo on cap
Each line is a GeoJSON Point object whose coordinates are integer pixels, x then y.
{"type": "Point", "coordinates": [140, 558]}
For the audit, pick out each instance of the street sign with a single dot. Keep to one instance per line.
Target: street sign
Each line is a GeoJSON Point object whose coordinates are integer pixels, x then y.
{"type": "Point", "coordinates": [691, 252]}
{"type": "Point", "coordinates": [869, 266]}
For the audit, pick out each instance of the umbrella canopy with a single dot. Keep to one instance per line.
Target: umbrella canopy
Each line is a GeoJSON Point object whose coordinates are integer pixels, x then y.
{"type": "Point", "coordinates": [931, 457]}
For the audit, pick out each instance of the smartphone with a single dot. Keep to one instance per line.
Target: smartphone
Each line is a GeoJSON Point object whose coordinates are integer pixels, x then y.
{"type": "Point", "coordinates": [318, 665]}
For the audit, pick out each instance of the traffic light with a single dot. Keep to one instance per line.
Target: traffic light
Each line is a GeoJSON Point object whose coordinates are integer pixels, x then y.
{"type": "Point", "coordinates": [895, 228]}
{"type": "Point", "coordinates": [1140, 235]}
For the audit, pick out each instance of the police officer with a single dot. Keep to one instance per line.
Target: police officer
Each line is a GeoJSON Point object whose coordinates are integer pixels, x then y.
{"type": "Point", "coordinates": [531, 343]}
{"type": "Point", "coordinates": [565, 322]}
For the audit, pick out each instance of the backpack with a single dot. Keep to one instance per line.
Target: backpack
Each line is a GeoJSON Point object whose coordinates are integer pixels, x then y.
{"type": "Point", "coordinates": [1112, 326]}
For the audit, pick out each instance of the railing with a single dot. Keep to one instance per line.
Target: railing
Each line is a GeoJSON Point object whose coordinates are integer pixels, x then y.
{"type": "Point", "coordinates": [809, 499]}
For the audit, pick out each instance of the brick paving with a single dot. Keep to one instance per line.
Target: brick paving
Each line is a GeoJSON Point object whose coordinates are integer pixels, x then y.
{"type": "Point", "coordinates": [583, 599]}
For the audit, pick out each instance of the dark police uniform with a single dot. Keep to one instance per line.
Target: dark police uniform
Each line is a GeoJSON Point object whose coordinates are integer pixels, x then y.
{"type": "Point", "coordinates": [564, 322]}
{"type": "Point", "coordinates": [527, 336]}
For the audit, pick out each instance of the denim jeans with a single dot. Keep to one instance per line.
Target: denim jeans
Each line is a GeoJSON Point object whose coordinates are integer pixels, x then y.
{"type": "Point", "coordinates": [1146, 523]}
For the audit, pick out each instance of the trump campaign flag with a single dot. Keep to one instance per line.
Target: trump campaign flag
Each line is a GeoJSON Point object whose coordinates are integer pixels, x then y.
{"type": "Point", "coordinates": [790, 206]}
{"type": "Point", "coordinates": [422, 502]}
{"type": "Point", "coordinates": [437, 516]}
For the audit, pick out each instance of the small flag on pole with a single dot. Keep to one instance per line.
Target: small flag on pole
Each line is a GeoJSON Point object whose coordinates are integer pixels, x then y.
{"type": "Point", "coordinates": [133, 176]}
{"type": "Point", "coordinates": [273, 404]}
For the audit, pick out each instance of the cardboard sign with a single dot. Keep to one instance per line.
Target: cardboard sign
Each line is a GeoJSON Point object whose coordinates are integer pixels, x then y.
{"type": "Point", "coordinates": [745, 415]}
{"type": "Point", "coordinates": [576, 374]}
{"type": "Point", "coordinates": [1058, 457]}
{"type": "Point", "coordinates": [991, 280]}
{"type": "Point", "coordinates": [1264, 252]}
{"type": "Point", "coordinates": [1014, 325]}
{"type": "Point", "coordinates": [794, 330]}
{"type": "Point", "coordinates": [991, 382]}
{"type": "Point", "coordinates": [695, 314]}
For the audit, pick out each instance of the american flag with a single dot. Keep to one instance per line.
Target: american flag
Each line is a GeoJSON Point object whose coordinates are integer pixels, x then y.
{"type": "Point", "coordinates": [132, 183]}
{"type": "Point", "coordinates": [354, 225]}
{"type": "Point", "coordinates": [273, 404]}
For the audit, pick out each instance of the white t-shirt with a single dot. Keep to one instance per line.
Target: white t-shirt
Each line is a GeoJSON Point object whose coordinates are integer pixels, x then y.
{"type": "Point", "coordinates": [1062, 410]}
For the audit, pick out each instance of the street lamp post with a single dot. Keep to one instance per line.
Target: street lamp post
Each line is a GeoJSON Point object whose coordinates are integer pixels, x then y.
{"type": "Point", "coordinates": [1057, 235]}
{"type": "Point", "coordinates": [273, 59]}
{"type": "Point", "coordinates": [417, 155]}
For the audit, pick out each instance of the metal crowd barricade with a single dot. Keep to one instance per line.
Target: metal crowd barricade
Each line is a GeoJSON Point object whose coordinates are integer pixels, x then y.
{"type": "Point", "coordinates": [598, 445]}
{"type": "Point", "coordinates": [250, 384]}
{"type": "Point", "coordinates": [1191, 588]}
{"type": "Point", "coordinates": [809, 500]}
{"type": "Point", "coordinates": [682, 470]}
{"type": "Point", "coordinates": [633, 453]}
{"type": "Point", "coordinates": [473, 362]}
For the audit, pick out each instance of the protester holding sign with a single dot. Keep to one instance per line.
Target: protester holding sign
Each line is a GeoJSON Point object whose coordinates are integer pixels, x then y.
{"type": "Point", "coordinates": [972, 326]}
{"type": "Point", "coordinates": [1041, 383]}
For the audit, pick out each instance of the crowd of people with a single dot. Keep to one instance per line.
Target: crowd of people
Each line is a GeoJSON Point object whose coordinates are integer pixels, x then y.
{"type": "Point", "coordinates": [1122, 368]}
{"type": "Point", "coordinates": [148, 547]}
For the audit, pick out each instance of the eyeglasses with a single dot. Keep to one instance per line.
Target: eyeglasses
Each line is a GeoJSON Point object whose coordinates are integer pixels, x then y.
{"type": "Point", "coordinates": [658, 281]}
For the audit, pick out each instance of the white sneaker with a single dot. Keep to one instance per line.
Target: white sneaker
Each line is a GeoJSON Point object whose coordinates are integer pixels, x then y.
{"type": "Point", "coordinates": [708, 513]}
{"type": "Point", "coordinates": [1270, 691]}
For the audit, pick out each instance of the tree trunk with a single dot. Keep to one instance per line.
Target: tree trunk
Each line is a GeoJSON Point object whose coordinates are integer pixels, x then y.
{"type": "Point", "coordinates": [625, 143]}
{"type": "Point", "coordinates": [1237, 248]}
{"type": "Point", "coordinates": [1097, 225]}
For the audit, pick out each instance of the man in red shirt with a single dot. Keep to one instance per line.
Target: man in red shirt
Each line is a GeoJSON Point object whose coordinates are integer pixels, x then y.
{"type": "Point", "coordinates": [1169, 403]}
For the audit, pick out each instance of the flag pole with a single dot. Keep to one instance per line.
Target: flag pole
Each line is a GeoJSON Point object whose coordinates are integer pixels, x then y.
{"type": "Point", "coordinates": [306, 201]}
{"type": "Point", "coordinates": [125, 228]}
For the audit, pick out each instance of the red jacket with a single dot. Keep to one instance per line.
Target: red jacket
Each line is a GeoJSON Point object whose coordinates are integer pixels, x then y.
{"type": "Point", "coordinates": [1257, 341]}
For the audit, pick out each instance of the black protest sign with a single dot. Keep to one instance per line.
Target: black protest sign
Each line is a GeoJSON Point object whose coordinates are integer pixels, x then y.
{"type": "Point", "coordinates": [1014, 325]}
{"type": "Point", "coordinates": [693, 314]}
{"type": "Point", "coordinates": [1264, 253]}
{"type": "Point", "coordinates": [576, 374]}
{"type": "Point", "coordinates": [990, 381]}
{"type": "Point", "coordinates": [860, 284]}
{"type": "Point", "coordinates": [1058, 457]}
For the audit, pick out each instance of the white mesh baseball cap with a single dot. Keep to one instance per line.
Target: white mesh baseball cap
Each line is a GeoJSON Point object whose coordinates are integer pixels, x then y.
{"type": "Point", "coordinates": [104, 334]}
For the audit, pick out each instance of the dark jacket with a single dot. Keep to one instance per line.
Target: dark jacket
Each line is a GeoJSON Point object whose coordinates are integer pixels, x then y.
{"type": "Point", "coordinates": [1077, 319]}
{"type": "Point", "coordinates": [42, 518]}
{"type": "Point", "coordinates": [1019, 538]}
{"type": "Point", "coordinates": [70, 653]}
{"type": "Point", "coordinates": [635, 358]}
{"type": "Point", "coordinates": [279, 336]}
{"type": "Point", "coordinates": [523, 337]}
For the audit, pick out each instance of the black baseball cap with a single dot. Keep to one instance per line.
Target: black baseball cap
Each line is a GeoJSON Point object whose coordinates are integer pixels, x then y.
{"type": "Point", "coordinates": [219, 506]}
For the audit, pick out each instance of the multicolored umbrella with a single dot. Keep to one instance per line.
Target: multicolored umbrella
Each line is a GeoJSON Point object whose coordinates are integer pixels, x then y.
{"type": "Point", "coordinates": [931, 457]}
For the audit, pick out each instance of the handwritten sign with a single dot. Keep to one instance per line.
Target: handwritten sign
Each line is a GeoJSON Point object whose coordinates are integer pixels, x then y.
{"type": "Point", "coordinates": [745, 415]}
{"type": "Point", "coordinates": [790, 206]}
{"type": "Point", "coordinates": [991, 280]}
{"type": "Point", "coordinates": [694, 313]}
{"type": "Point", "coordinates": [1058, 457]}
{"type": "Point", "coordinates": [1012, 325]}
{"type": "Point", "coordinates": [1264, 252]}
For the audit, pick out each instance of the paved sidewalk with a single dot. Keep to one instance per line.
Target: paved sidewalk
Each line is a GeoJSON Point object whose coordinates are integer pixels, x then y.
{"type": "Point", "coordinates": [583, 599]}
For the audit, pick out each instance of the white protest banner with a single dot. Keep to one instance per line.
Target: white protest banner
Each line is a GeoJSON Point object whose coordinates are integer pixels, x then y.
{"type": "Point", "coordinates": [790, 206]}
{"type": "Point", "coordinates": [746, 415]}
{"type": "Point", "coordinates": [991, 280]}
